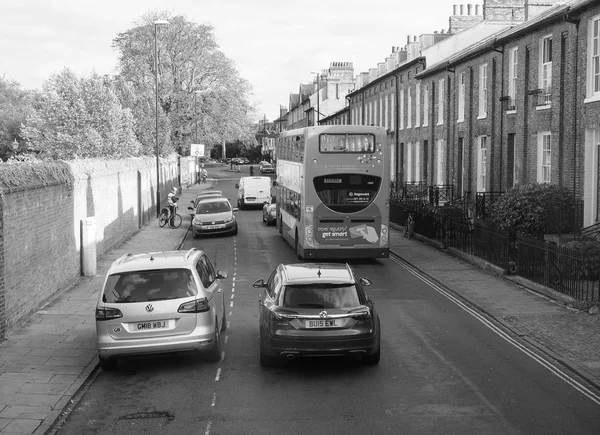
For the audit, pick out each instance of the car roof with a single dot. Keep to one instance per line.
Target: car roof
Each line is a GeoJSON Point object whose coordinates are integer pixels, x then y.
{"type": "Point", "coordinates": [209, 192]}
{"type": "Point", "coordinates": [212, 199]}
{"type": "Point", "coordinates": [304, 273]}
{"type": "Point", "coordinates": [155, 260]}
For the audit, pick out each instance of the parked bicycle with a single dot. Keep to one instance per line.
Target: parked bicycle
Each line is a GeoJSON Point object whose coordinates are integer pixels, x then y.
{"type": "Point", "coordinates": [409, 226]}
{"type": "Point", "coordinates": [174, 220]}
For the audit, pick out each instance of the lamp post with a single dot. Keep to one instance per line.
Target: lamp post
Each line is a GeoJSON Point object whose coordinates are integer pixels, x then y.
{"type": "Point", "coordinates": [318, 96]}
{"type": "Point", "coordinates": [156, 24]}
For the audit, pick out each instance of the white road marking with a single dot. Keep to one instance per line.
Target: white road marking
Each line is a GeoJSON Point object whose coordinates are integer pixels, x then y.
{"type": "Point", "coordinates": [222, 355]}
{"type": "Point", "coordinates": [232, 295]}
{"type": "Point", "coordinates": [227, 336]}
{"type": "Point", "coordinates": [208, 425]}
{"type": "Point", "coordinates": [218, 375]}
{"type": "Point", "coordinates": [231, 304]}
{"type": "Point", "coordinates": [540, 359]}
{"type": "Point", "coordinates": [214, 399]}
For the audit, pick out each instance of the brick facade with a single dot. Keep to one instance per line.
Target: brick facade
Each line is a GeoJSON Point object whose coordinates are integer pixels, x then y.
{"type": "Point", "coordinates": [41, 226]}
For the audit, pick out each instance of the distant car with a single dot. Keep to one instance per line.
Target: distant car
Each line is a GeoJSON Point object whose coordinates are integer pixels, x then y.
{"type": "Point", "coordinates": [317, 309]}
{"type": "Point", "coordinates": [244, 160]}
{"type": "Point", "coordinates": [213, 216]}
{"type": "Point", "coordinates": [160, 302]}
{"type": "Point", "coordinates": [267, 168]}
{"type": "Point", "coordinates": [269, 212]}
{"type": "Point", "coordinates": [207, 194]}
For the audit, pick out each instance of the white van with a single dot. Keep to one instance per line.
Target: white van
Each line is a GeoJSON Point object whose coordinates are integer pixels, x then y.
{"type": "Point", "coordinates": [253, 191]}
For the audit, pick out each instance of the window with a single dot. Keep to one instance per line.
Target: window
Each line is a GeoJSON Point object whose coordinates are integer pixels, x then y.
{"type": "Point", "coordinates": [546, 69]}
{"type": "Point", "coordinates": [513, 62]}
{"type": "Point", "coordinates": [409, 162]}
{"type": "Point", "coordinates": [372, 113]}
{"type": "Point", "coordinates": [417, 154]}
{"type": "Point", "coordinates": [418, 104]}
{"type": "Point", "coordinates": [441, 99]}
{"type": "Point", "coordinates": [385, 112]}
{"type": "Point", "coordinates": [401, 109]}
{"type": "Point", "coordinates": [482, 164]}
{"type": "Point", "coordinates": [593, 71]}
{"type": "Point", "coordinates": [409, 108]}
{"type": "Point", "coordinates": [393, 111]}
{"type": "Point", "coordinates": [426, 106]}
{"type": "Point", "coordinates": [544, 166]}
{"type": "Point", "coordinates": [381, 112]}
{"type": "Point", "coordinates": [461, 97]}
{"type": "Point", "coordinates": [206, 271]}
{"type": "Point", "coordinates": [441, 158]}
{"type": "Point", "coordinates": [483, 91]}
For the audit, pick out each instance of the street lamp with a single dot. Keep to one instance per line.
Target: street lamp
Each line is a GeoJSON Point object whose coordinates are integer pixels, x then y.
{"type": "Point", "coordinates": [318, 96]}
{"type": "Point", "coordinates": [156, 24]}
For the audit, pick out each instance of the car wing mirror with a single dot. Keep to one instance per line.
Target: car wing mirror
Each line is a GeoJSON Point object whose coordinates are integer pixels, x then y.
{"type": "Point", "coordinates": [235, 209]}
{"type": "Point", "coordinates": [191, 208]}
{"type": "Point", "coordinates": [259, 283]}
{"type": "Point", "coordinates": [221, 274]}
{"type": "Point", "coordinates": [364, 281]}
{"type": "Point", "coordinates": [191, 202]}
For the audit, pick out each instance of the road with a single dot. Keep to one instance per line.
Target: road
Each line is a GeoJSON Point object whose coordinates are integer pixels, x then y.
{"type": "Point", "coordinates": [442, 371]}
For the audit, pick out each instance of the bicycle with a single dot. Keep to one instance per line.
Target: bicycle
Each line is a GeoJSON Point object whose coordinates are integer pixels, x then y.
{"type": "Point", "coordinates": [165, 217]}
{"type": "Point", "coordinates": [410, 224]}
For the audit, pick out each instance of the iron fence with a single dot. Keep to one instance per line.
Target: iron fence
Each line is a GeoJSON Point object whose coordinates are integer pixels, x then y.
{"type": "Point", "coordinates": [440, 194]}
{"type": "Point", "coordinates": [484, 202]}
{"type": "Point", "coordinates": [560, 268]}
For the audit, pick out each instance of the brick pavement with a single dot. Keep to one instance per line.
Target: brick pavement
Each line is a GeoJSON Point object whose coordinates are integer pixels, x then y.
{"type": "Point", "coordinates": [45, 361]}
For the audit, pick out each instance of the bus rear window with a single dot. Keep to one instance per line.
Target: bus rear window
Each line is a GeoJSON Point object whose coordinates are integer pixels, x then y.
{"type": "Point", "coordinates": [347, 192]}
{"type": "Point", "coordinates": [347, 143]}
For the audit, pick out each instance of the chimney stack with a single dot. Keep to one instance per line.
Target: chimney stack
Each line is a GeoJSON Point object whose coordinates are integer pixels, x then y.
{"type": "Point", "coordinates": [462, 9]}
{"type": "Point", "coordinates": [469, 7]}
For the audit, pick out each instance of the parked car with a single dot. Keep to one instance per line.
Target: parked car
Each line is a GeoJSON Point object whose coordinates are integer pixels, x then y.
{"type": "Point", "coordinates": [203, 194]}
{"type": "Point", "coordinates": [160, 302]}
{"type": "Point", "coordinates": [267, 168]}
{"type": "Point", "coordinates": [213, 216]}
{"type": "Point", "coordinates": [317, 309]}
{"type": "Point", "coordinates": [269, 212]}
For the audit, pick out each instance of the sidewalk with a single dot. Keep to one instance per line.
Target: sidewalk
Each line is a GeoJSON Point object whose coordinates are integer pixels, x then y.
{"type": "Point", "coordinates": [45, 361]}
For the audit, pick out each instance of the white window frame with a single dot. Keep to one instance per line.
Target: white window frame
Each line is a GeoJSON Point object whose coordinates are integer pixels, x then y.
{"type": "Point", "coordinates": [593, 60]}
{"type": "Point", "coordinates": [401, 127]}
{"type": "Point", "coordinates": [418, 104]}
{"type": "Point", "coordinates": [441, 158]}
{"type": "Point", "coordinates": [544, 166]}
{"type": "Point", "coordinates": [545, 72]}
{"type": "Point", "coordinates": [408, 108]}
{"type": "Point", "coordinates": [483, 90]}
{"type": "Point", "coordinates": [482, 142]}
{"type": "Point", "coordinates": [461, 96]}
{"type": "Point", "coordinates": [441, 98]}
{"type": "Point", "coordinates": [513, 63]}
{"type": "Point", "coordinates": [426, 106]}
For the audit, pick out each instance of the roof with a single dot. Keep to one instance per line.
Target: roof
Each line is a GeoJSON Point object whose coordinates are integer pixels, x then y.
{"type": "Point", "coordinates": [331, 273]}
{"type": "Point", "coordinates": [154, 260]}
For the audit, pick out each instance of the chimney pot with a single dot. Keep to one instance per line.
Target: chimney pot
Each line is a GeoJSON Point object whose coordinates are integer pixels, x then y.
{"type": "Point", "coordinates": [454, 9]}
{"type": "Point", "coordinates": [462, 9]}
{"type": "Point", "coordinates": [477, 9]}
{"type": "Point", "coordinates": [414, 38]}
{"type": "Point", "coordinates": [469, 7]}
{"type": "Point", "coordinates": [408, 39]}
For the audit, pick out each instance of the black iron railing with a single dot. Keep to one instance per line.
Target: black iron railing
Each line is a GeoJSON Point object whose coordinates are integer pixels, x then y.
{"type": "Point", "coordinates": [440, 194]}
{"type": "Point", "coordinates": [484, 202]}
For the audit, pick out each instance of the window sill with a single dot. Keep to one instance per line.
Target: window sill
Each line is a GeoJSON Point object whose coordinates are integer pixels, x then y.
{"type": "Point", "coordinates": [593, 99]}
{"type": "Point", "coordinates": [482, 116]}
{"type": "Point", "coordinates": [458, 121]}
{"type": "Point", "coordinates": [511, 112]}
{"type": "Point", "coordinates": [440, 123]}
{"type": "Point", "coordinates": [544, 107]}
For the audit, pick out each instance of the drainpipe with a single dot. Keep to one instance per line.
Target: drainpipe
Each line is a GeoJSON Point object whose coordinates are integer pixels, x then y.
{"type": "Point", "coordinates": [397, 129]}
{"type": "Point", "coordinates": [575, 21]}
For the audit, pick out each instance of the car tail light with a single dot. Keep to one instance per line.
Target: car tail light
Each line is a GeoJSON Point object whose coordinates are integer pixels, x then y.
{"type": "Point", "coordinates": [195, 306]}
{"type": "Point", "coordinates": [363, 314]}
{"type": "Point", "coordinates": [108, 313]}
{"type": "Point", "coordinates": [281, 319]}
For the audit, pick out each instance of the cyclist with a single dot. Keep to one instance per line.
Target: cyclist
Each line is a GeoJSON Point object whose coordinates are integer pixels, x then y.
{"type": "Point", "coordinates": [171, 200]}
{"type": "Point", "coordinates": [203, 176]}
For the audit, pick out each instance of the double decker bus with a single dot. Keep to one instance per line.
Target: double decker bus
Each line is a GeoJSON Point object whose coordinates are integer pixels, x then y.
{"type": "Point", "coordinates": [332, 191]}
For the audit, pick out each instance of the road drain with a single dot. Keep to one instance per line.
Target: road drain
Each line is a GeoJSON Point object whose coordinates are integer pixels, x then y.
{"type": "Point", "coordinates": [142, 422]}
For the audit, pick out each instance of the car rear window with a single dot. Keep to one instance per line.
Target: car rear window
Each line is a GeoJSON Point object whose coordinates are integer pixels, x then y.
{"type": "Point", "coordinates": [321, 296]}
{"type": "Point", "coordinates": [213, 207]}
{"type": "Point", "coordinates": [149, 285]}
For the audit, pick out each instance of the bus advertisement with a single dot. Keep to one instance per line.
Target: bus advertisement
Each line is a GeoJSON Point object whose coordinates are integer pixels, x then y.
{"type": "Point", "coordinates": [332, 191]}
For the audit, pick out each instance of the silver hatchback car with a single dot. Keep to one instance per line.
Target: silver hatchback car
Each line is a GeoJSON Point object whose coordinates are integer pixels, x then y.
{"type": "Point", "coordinates": [160, 302]}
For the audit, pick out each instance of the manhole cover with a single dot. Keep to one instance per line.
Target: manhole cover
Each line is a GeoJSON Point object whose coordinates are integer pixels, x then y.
{"type": "Point", "coordinates": [142, 422]}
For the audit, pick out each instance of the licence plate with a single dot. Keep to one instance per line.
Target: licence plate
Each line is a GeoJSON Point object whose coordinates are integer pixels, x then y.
{"type": "Point", "coordinates": [322, 323]}
{"type": "Point", "coordinates": [214, 227]}
{"type": "Point", "coordinates": [155, 324]}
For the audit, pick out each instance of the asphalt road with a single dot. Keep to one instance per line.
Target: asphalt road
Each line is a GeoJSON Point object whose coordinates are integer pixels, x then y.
{"type": "Point", "coordinates": [442, 371]}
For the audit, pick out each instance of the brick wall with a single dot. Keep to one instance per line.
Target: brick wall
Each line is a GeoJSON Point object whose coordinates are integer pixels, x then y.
{"type": "Point", "coordinates": [40, 226]}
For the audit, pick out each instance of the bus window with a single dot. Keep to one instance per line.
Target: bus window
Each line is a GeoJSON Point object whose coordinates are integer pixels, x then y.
{"type": "Point", "coordinates": [347, 143]}
{"type": "Point", "coordinates": [347, 192]}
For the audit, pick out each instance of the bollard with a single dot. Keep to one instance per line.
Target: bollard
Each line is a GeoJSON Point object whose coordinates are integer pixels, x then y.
{"type": "Point", "coordinates": [88, 246]}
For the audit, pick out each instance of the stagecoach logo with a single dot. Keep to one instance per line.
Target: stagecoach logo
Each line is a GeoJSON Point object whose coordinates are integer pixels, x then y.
{"type": "Point", "coordinates": [323, 314]}
{"type": "Point", "coordinates": [149, 308]}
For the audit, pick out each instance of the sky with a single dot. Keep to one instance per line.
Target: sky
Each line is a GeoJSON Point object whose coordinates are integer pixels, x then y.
{"type": "Point", "coordinates": [275, 44]}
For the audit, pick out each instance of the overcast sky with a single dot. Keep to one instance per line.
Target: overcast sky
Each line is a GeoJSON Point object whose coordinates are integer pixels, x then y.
{"type": "Point", "coordinates": [275, 44]}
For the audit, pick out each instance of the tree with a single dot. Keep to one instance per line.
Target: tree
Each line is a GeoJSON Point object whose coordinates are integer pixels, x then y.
{"type": "Point", "coordinates": [75, 117]}
{"type": "Point", "coordinates": [198, 84]}
{"type": "Point", "coordinates": [15, 105]}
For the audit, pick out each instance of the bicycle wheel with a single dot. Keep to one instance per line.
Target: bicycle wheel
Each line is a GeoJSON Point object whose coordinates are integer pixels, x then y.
{"type": "Point", "coordinates": [162, 218]}
{"type": "Point", "coordinates": [175, 221]}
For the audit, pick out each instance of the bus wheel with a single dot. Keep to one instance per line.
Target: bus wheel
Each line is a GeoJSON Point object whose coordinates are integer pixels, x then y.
{"type": "Point", "coordinates": [279, 226]}
{"type": "Point", "coordinates": [296, 246]}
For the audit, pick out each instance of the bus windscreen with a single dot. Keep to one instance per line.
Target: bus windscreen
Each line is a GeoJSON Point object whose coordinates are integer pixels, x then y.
{"type": "Point", "coordinates": [347, 192]}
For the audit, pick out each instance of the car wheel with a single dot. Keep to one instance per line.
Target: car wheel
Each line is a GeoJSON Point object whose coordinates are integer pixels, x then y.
{"type": "Point", "coordinates": [215, 353]}
{"type": "Point", "coordinates": [374, 358]}
{"type": "Point", "coordinates": [296, 248]}
{"type": "Point", "coordinates": [224, 321]}
{"type": "Point", "coordinates": [266, 360]}
{"type": "Point", "coordinates": [108, 364]}
{"type": "Point", "coordinates": [235, 230]}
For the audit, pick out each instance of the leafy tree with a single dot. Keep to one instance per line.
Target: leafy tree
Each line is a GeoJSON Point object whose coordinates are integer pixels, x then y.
{"type": "Point", "coordinates": [198, 85]}
{"type": "Point", "coordinates": [525, 210]}
{"type": "Point", "coordinates": [15, 105]}
{"type": "Point", "coordinates": [76, 117]}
